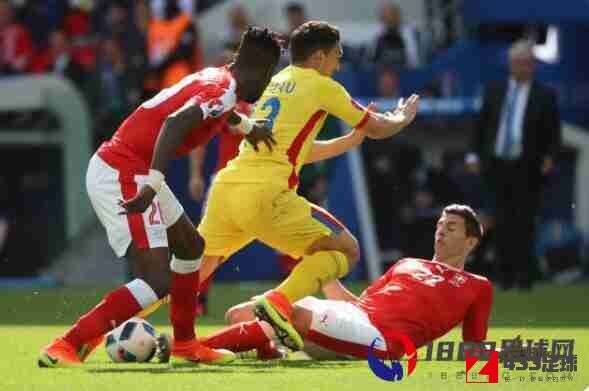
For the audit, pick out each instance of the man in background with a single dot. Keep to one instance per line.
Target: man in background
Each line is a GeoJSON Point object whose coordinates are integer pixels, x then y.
{"type": "Point", "coordinates": [517, 140]}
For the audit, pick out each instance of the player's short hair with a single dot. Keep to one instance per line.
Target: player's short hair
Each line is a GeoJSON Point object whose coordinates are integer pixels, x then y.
{"type": "Point", "coordinates": [310, 37]}
{"type": "Point", "coordinates": [258, 44]}
{"type": "Point", "coordinates": [474, 228]}
{"type": "Point", "coordinates": [294, 7]}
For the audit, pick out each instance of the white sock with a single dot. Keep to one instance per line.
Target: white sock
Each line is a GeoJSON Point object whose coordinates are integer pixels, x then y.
{"type": "Point", "coordinates": [183, 266]}
{"type": "Point", "coordinates": [142, 292]}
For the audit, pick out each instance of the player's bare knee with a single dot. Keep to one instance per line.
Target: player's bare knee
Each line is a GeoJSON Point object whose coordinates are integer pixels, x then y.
{"type": "Point", "coordinates": [191, 247]}
{"type": "Point", "coordinates": [348, 245]}
{"type": "Point", "coordinates": [343, 242]}
{"type": "Point", "coordinates": [301, 319]}
{"type": "Point", "coordinates": [152, 266]}
{"type": "Point", "coordinates": [185, 241]}
{"type": "Point", "coordinates": [239, 313]}
{"type": "Point", "coordinates": [233, 315]}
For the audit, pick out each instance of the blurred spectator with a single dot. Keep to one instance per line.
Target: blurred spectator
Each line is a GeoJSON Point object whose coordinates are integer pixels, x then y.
{"type": "Point", "coordinates": [388, 83]}
{"type": "Point", "coordinates": [58, 59]}
{"type": "Point", "coordinates": [186, 6]}
{"type": "Point", "coordinates": [390, 166]}
{"type": "Point", "coordinates": [518, 137]}
{"type": "Point", "coordinates": [173, 47]}
{"type": "Point", "coordinates": [42, 17]}
{"type": "Point", "coordinates": [295, 16]}
{"type": "Point", "coordinates": [137, 57]}
{"type": "Point", "coordinates": [111, 89]}
{"type": "Point", "coordinates": [473, 187]}
{"type": "Point", "coordinates": [397, 44]}
{"type": "Point", "coordinates": [78, 28]}
{"type": "Point", "coordinates": [16, 48]}
{"type": "Point", "coordinates": [239, 21]}
{"type": "Point", "coordinates": [129, 25]}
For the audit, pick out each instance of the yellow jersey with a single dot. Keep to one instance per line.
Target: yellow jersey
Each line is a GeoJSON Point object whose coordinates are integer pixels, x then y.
{"type": "Point", "coordinates": [296, 102]}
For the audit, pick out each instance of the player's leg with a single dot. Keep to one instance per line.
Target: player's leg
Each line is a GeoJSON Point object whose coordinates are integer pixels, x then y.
{"type": "Point", "coordinates": [186, 247]}
{"type": "Point", "coordinates": [336, 329]}
{"type": "Point", "coordinates": [142, 240]}
{"type": "Point", "coordinates": [222, 239]}
{"type": "Point", "coordinates": [151, 269]}
{"type": "Point", "coordinates": [219, 228]}
{"type": "Point", "coordinates": [328, 251]}
{"type": "Point", "coordinates": [331, 330]}
{"type": "Point", "coordinates": [302, 319]}
{"type": "Point", "coordinates": [245, 332]}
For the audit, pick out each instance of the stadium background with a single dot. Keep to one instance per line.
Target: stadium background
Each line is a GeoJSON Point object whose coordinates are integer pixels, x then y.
{"type": "Point", "coordinates": [387, 193]}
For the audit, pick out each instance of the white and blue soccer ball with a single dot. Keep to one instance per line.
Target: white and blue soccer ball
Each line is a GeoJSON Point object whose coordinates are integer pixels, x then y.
{"type": "Point", "coordinates": [132, 341]}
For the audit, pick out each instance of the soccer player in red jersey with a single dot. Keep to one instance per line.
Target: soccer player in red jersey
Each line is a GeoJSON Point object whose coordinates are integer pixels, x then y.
{"type": "Point", "coordinates": [423, 299]}
{"type": "Point", "coordinates": [144, 221]}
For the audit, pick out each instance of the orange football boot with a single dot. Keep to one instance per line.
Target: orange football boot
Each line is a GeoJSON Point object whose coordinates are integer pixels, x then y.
{"type": "Point", "coordinates": [274, 308]}
{"type": "Point", "coordinates": [86, 349]}
{"type": "Point", "coordinates": [194, 351]}
{"type": "Point", "coordinates": [58, 354]}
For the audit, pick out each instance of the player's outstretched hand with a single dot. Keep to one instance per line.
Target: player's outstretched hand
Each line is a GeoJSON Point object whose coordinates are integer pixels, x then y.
{"type": "Point", "coordinates": [140, 202]}
{"type": "Point", "coordinates": [262, 131]}
{"type": "Point", "coordinates": [406, 110]}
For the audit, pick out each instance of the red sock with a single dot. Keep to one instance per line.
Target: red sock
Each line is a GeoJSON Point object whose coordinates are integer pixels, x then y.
{"type": "Point", "coordinates": [239, 337]}
{"type": "Point", "coordinates": [116, 307]}
{"type": "Point", "coordinates": [183, 304]}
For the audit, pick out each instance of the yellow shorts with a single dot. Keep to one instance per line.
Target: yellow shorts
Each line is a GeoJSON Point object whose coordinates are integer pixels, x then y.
{"type": "Point", "coordinates": [237, 214]}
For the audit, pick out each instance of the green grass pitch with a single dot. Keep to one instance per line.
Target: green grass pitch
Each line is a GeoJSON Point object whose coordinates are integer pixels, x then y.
{"type": "Point", "coordinates": [31, 318]}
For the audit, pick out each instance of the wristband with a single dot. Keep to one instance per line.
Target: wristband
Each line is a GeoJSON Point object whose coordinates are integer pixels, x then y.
{"type": "Point", "coordinates": [155, 179]}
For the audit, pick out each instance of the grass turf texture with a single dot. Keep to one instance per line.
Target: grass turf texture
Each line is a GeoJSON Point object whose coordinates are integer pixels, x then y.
{"type": "Point", "coordinates": [31, 318]}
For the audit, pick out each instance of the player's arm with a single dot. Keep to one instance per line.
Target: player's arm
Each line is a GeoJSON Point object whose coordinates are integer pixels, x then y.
{"type": "Point", "coordinates": [196, 184]}
{"type": "Point", "coordinates": [335, 290]}
{"type": "Point", "coordinates": [323, 150]}
{"type": "Point", "coordinates": [336, 100]}
{"type": "Point", "coordinates": [475, 324]}
{"type": "Point", "coordinates": [254, 130]}
{"type": "Point", "coordinates": [388, 124]}
{"type": "Point", "coordinates": [174, 130]}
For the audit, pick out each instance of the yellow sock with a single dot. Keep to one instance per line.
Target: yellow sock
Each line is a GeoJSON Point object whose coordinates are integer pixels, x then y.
{"type": "Point", "coordinates": [312, 272]}
{"type": "Point", "coordinates": [144, 313]}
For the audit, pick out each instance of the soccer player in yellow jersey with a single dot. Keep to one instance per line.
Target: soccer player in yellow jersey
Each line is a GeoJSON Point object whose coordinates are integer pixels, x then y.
{"type": "Point", "coordinates": [255, 197]}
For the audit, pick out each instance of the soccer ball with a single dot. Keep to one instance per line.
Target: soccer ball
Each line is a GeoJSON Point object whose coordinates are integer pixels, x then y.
{"type": "Point", "coordinates": [132, 341]}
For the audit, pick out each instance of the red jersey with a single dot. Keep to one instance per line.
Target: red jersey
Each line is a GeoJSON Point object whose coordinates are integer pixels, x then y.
{"type": "Point", "coordinates": [132, 146]}
{"type": "Point", "coordinates": [426, 299]}
{"type": "Point", "coordinates": [230, 139]}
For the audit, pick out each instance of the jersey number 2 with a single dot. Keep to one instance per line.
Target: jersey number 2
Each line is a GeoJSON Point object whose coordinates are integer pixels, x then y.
{"type": "Point", "coordinates": [274, 105]}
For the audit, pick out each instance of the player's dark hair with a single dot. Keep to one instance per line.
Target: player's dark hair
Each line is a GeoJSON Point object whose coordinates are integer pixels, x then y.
{"type": "Point", "coordinates": [256, 45]}
{"type": "Point", "coordinates": [294, 7]}
{"type": "Point", "coordinates": [474, 228]}
{"type": "Point", "coordinates": [310, 37]}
